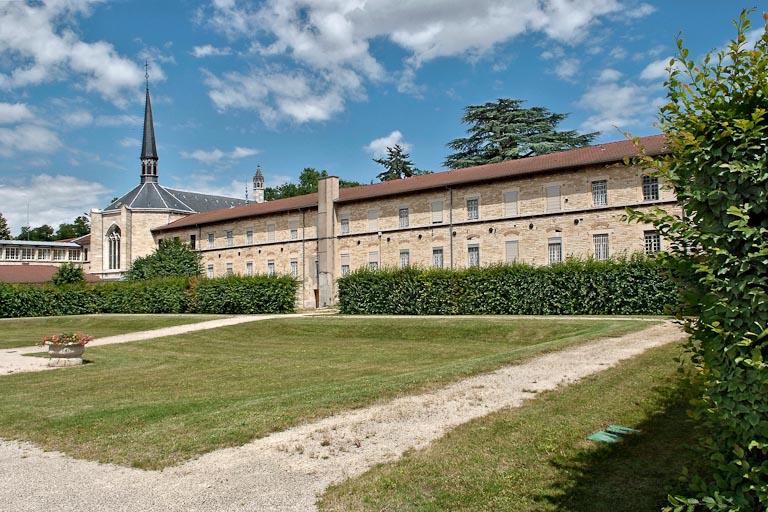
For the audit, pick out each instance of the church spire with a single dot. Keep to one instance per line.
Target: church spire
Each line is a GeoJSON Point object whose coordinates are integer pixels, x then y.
{"type": "Point", "coordinates": [148, 147]}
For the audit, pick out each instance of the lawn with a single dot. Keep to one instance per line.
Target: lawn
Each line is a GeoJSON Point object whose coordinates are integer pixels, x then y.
{"type": "Point", "coordinates": [23, 332]}
{"type": "Point", "coordinates": [159, 402]}
{"type": "Point", "coordinates": [536, 458]}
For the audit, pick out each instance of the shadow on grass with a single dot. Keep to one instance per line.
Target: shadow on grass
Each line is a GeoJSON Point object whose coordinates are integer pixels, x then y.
{"type": "Point", "coordinates": [637, 474]}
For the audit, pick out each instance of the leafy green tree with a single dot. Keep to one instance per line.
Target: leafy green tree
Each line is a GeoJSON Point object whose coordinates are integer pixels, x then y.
{"type": "Point", "coordinates": [68, 273]}
{"type": "Point", "coordinates": [397, 165]}
{"type": "Point", "coordinates": [307, 184]}
{"type": "Point", "coordinates": [42, 233]}
{"type": "Point", "coordinates": [172, 258]}
{"type": "Point", "coordinates": [5, 231]}
{"type": "Point", "coordinates": [504, 130]}
{"type": "Point", "coordinates": [80, 227]}
{"type": "Point", "coordinates": [716, 123]}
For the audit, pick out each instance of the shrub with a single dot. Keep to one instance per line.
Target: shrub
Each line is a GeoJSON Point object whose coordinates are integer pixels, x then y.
{"type": "Point", "coordinates": [246, 294]}
{"type": "Point", "coordinates": [617, 287]}
{"type": "Point", "coordinates": [172, 258]}
{"type": "Point", "coordinates": [68, 273]}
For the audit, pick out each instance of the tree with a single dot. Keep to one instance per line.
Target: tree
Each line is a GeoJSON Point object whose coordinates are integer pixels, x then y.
{"type": "Point", "coordinates": [397, 165]}
{"type": "Point", "coordinates": [716, 123]}
{"type": "Point", "coordinates": [68, 273]}
{"type": "Point", "coordinates": [5, 231]}
{"type": "Point", "coordinates": [503, 130]}
{"type": "Point", "coordinates": [42, 233]}
{"type": "Point", "coordinates": [80, 227]}
{"type": "Point", "coordinates": [172, 258]}
{"type": "Point", "coordinates": [308, 180]}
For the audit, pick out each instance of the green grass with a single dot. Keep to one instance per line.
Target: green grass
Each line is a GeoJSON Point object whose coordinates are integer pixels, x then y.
{"type": "Point", "coordinates": [23, 332]}
{"type": "Point", "coordinates": [156, 403]}
{"type": "Point", "coordinates": [536, 458]}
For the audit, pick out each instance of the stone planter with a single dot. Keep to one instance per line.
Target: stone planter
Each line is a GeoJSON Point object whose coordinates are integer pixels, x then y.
{"type": "Point", "coordinates": [65, 355]}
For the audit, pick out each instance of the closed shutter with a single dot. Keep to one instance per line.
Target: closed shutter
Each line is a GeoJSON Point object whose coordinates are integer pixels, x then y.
{"type": "Point", "coordinates": [510, 204]}
{"type": "Point", "coordinates": [511, 251]}
{"type": "Point", "coordinates": [553, 198]}
{"type": "Point", "coordinates": [437, 212]}
{"type": "Point", "coordinates": [373, 220]}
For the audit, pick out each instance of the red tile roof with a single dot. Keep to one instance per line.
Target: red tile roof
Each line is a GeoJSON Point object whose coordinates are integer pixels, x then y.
{"type": "Point", "coordinates": [562, 160]}
{"type": "Point", "coordinates": [33, 274]}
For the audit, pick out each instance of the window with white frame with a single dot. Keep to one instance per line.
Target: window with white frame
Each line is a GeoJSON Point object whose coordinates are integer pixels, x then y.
{"type": "Point", "coordinates": [437, 257]}
{"type": "Point", "coordinates": [270, 232]}
{"type": "Point", "coordinates": [473, 208]}
{"type": "Point", "coordinates": [373, 260]}
{"type": "Point", "coordinates": [403, 216]}
{"type": "Point", "coordinates": [249, 268]}
{"type": "Point", "coordinates": [249, 237]}
{"type": "Point", "coordinates": [113, 249]}
{"type": "Point", "coordinates": [11, 253]}
{"type": "Point", "coordinates": [373, 220]}
{"type": "Point", "coordinates": [510, 203]}
{"type": "Point", "coordinates": [405, 258]}
{"type": "Point", "coordinates": [652, 242]}
{"type": "Point", "coordinates": [28, 253]}
{"type": "Point", "coordinates": [473, 255]}
{"type": "Point", "coordinates": [211, 241]}
{"type": "Point", "coordinates": [230, 239]}
{"type": "Point", "coordinates": [555, 249]}
{"type": "Point", "coordinates": [43, 254]}
{"type": "Point", "coordinates": [74, 255]}
{"type": "Point", "coordinates": [114, 252]}
{"type": "Point", "coordinates": [294, 265]}
{"type": "Point", "coordinates": [209, 271]}
{"type": "Point", "coordinates": [510, 251]}
{"type": "Point", "coordinates": [602, 251]}
{"type": "Point", "coordinates": [271, 267]}
{"type": "Point", "coordinates": [345, 225]}
{"type": "Point", "coordinates": [650, 188]}
{"type": "Point", "coordinates": [553, 198]}
{"type": "Point", "coordinates": [294, 230]}
{"type": "Point", "coordinates": [437, 212]}
{"type": "Point", "coordinates": [345, 264]}
{"type": "Point", "coordinates": [600, 193]}
{"type": "Point", "coordinates": [230, 268]}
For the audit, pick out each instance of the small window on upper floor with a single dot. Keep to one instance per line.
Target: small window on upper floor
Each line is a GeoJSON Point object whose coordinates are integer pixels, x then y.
{"type": "Point", "coordinates": [294, 230]}
{"type": "Point", "coordinates": [210, 241]}
{"type": "Point", "coordinates": [230, 239]}
{"type": "Point", "coordinates": [600, 193]}
{"type": "Point", "coordinates": [373, 220]}
{"type": "Point", "coordinates": [553, 198]}
{"type": "Point", "coordinates": [510, 203]}
{"type": "Point", "coordinates": [345, 225]}
{"type": "Point", "coordinates": [403, 215]}
{"type": "Point", "coordinates": [437, 212]}
{"type": "Point", "coordinates": [249, 237]}
{"type": "Point", "coordinates": [473, 208]}
{"type": "Point", "coordinates": [270, 232]}
{"type": "Point", "coordinates": [650, 188]}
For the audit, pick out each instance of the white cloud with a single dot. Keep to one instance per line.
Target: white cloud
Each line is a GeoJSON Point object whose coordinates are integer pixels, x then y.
{"type": "Point", "coordinates": [66, 197]}
{"type": "Point", "coordinates": [130, 142]}
{"type": "Point", "coordinates": [118, 120]}
{"type": "Point", "coordinates": [618, 105]}
{"type": "Point", "coordinates": [656, 70]}
{"type": "Point", "coordinates": [208, 50]}
{"type": "Point", "coordinates": [27, 138]}
{"type": "Point", "coordinates": [11, 113]}
{"type": "Point", "coordinates": [378, 147]}
{"type": "Point", "coordinates": [205, 183]}
{"type": "Point", "coordinates": [567, 68]}
{"type": "Point", "coordinates": [218, 156]}
{"type": "Point", "coordinates": [41, 36]}
{"type": "Point", "coordinates": [641, 11]}
{"type": "Point", "coordinates": [609, 75]}
{"type": "Point", "coordinates": [78, 118]}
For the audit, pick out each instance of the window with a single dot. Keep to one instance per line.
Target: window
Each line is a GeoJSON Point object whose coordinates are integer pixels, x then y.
{"type": "Point", "coordinates": [652, 242]}
{"type": "Point", "coordinates": [510, 203]}
{"type": "Point", "coordinates": [249, 237]}
{"type": "Point", "coordinates": [437, 257]}
{"type": "Point", "coordinates": [510, 251]}
{"type": "Point", "coordinates": [209, 271]}
{"type": "Point", "coordinates": [405, 258]}
{"type": "Point", "coordinates": [345, 225]}
{"type": "Point", "coordinates": [61, 255]}
{"type": "Point", "coordinates": [271, 267]}
{"type": "Point", "coordinates": [373, 260]}
{"type": "Point", "coordinates": [473, 255]}
{"type": "Point", "coordinates": [230, 269]}
{"type": "Point", "coordinates": [113, 249]}
{"type": "Point", "coordinates": [403, 215]}
{"type": "Point", "coordinates": [650, 188]}
{"type": "Point", "coordinates": [553, 198]}
{"type": "Point", "coordinates": [555, 247]}
{"type": "Point", "coordinates": [211, 242]}
{"type": "Point", "coordinates": [27, 253]}
{"type": "Point", "coordinates": [344, 264]}
{"type": "Point", "coordinates": [270, 232]}
{"type": "Point", "coordinates": [373, 220]}
{"type": "Point", "coordinates": [294, 230]}
{"type": "Point", "coordinates": [294, 267]}
{"type": "Point", "coordinates": [192, 241]}
{"type": "Point", "coordinates": [600, 193]}
{"type": "Point", "coordinates": [74, 255]}
{"type": "Point", "coordinates": [230, 239]}
{"type": "Point", "coordinates": [249, 268]}
{"type": "Point", "coordinates": [601, 246]}
{"type": "Point", "coordinates": [11, 253]}
{"type": "Point", "coordinates": [473, 209]}
{"type": "Point", "coordinates": [43, 254]}
{"type": "Point", "coordinates": [437, 212]}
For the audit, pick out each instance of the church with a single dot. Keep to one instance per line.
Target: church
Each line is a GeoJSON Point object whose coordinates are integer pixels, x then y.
{"type": "Point", "coordinates": [538, 210]}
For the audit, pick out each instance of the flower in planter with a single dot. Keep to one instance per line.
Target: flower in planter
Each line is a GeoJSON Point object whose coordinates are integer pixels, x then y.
{"type": "Point", "coordinates": [66, 339]}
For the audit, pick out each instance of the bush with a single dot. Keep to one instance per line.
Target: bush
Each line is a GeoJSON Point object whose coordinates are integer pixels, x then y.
{"type": "Point", "coordinates": [230, 295]}
{"type": "Point", "coordinates": [617, 287]}
{"type": "Point", "coordinates": [68, 273]}
{"type": "Point", "coordinates": [172, 258]}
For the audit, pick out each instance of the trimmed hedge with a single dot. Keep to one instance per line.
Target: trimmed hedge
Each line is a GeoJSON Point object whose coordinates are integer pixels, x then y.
{"type": "Point", "coordinates": [229, 295]}
{"type": "Point", "coordinates": [638, 286]}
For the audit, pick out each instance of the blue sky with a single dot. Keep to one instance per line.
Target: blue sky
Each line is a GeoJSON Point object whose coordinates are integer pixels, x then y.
{"type": "Point", "coordinates": [289, 84]}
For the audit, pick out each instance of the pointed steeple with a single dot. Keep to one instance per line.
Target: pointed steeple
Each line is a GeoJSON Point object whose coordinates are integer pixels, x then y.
{"type": "Point", "coordinates": [148, 147]}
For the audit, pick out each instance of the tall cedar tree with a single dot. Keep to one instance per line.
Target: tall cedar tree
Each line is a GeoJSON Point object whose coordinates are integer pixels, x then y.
{"type": "Point", "coordinates": [397, 165]}
{"type": "Point", "coordinates": [503, 130]}
{"type": "Point", "coordinates": [172, 258]}
{"type": "Point", "coordinates": [307, 184]}
{"type": "Point", "coordinates": [5, 231]}
{"type": "Point", "coordinates": [716, 123]}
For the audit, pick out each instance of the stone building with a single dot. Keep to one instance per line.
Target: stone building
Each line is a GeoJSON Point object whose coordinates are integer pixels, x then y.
{"type": "Point", "coordinates": [537, 210]}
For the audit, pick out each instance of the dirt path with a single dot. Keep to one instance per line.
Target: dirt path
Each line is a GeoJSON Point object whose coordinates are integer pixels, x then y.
{"type": "Point", "coordinates": [286, 471]}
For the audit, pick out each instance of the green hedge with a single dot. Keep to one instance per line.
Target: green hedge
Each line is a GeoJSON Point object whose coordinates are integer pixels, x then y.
{"type": "Point", "coordinates": [229, 295]}
{"type": "Point", "coordinates": [617, 287]}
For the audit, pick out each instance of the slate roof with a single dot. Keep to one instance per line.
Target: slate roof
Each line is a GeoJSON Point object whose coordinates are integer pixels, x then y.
{"type": "Point", "coordinates": [64, 244]}
{"type": "Point", "coordinates": [572, 159]}
{"type": "Point", "coordinates": [148, 146]}
{"type": "Point", "coordinates": [152, 196]}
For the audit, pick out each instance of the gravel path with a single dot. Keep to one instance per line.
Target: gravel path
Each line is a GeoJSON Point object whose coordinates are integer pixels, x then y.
{"type": "Point", "coordinates": [12, 360]}
{"type": "Point", "coordinates": [286, 471]}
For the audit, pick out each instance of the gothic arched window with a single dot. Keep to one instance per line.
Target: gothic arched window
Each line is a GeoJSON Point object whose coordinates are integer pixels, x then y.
{"type": "Point", "coordinates": [113, 245]}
